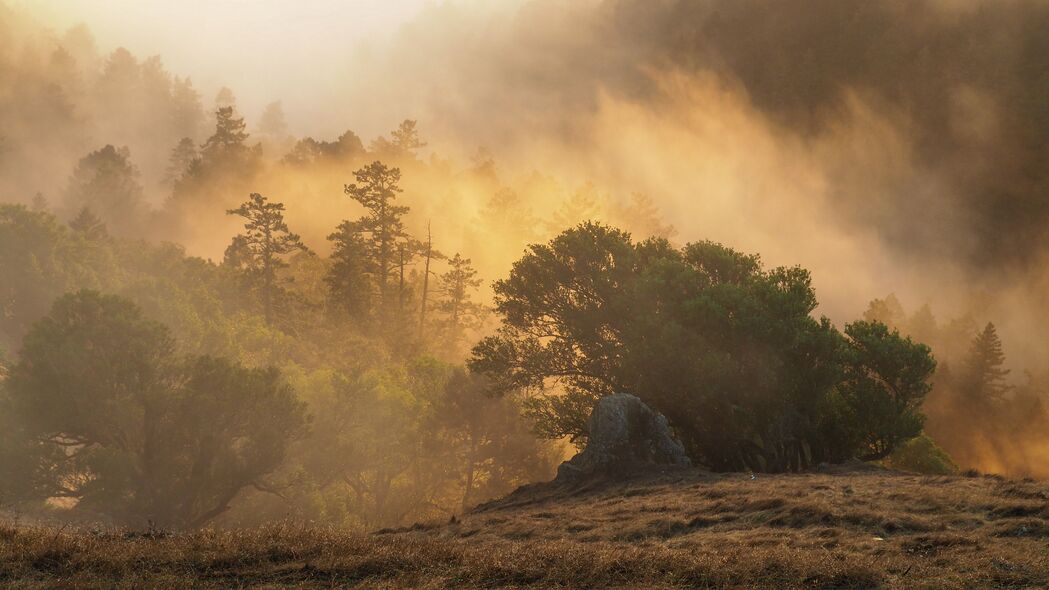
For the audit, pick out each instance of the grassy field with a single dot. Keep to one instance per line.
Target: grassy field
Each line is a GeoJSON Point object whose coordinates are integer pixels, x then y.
{"type": "Point", "coordinates": [847, 529]}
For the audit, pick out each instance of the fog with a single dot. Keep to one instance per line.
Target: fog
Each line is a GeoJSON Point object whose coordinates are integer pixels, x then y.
{"type": "Point", "coordinates": [892, 147]}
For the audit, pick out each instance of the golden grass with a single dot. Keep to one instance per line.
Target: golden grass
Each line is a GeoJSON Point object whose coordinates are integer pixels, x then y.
{"type": "Point", "coordinates": [675, 528]}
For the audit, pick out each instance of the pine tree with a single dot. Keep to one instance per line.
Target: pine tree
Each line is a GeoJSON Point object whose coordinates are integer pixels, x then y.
{"type": "Point", "coordinates": [377, 240]}
{"type": "Point", "coordinates": [582, 205]}
{"type": "Point", "coordinates": [273, 122]}
{"type": "Point", "coordinates": [260, 250]}
{"type": "Point", "coordinates": [887, 311]}
{"type": "Point", "coordinates": [457, 287]}
{"type": "Point", "coordinates": [182, 157]}
{"type": "Point", "coordinates": [983, 377]}
{"type": "Point", "coordinates": [88, 225]}
{"type": "Point", "coordinates": [402, 143]}
{"type": "Point", "coordinates": [106, 181]}
{"type": "Point", "coordinates": [229, 139]}
{"type": "Point", "coordinates": [349, 277]}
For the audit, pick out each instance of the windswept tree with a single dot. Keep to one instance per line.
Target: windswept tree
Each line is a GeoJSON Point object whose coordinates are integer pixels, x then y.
{"type": "Point", "coordinates": [727, 350]}
{"type": "Point", "coordinates": [260, 251]}
{"type": "Point", "coordinates": [107, 182]}
{"type": "Point", "coordinates": [115, 420]}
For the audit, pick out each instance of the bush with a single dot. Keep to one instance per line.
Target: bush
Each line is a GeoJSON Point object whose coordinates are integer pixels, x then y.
{"type": "Point", "coordinates": [922, 455]}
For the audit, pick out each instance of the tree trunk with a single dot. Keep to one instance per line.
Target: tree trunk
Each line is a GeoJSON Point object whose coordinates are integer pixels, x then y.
{"type": "Point", "coordinates": [426, 280]}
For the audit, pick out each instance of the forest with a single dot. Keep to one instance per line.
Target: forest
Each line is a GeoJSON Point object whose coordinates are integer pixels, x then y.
{"type": "Point", "coordinates": [208, 320]}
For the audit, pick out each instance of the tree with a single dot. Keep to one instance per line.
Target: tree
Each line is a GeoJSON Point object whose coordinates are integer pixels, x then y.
{"type": "Point", "coordinates": [886, 378]}
{"type": "Point", "coordinates": [229, 142]}
{"type": "Point", "coordinates": [497, 451]}
{"type": "Point", "coordinates": [887, 311]}
{"type": "Point", "coordinates": [183, 155]}
{"type": "Point", "coordinates": [107, 183]}
{"type": "Point", "coordinates": [726, 350]}
{"type": "Point", "coordinates": [455, 304]}
{"type": "Point", "coordinates": [641, 216]}
{"type": "Point", "coordinates": [429, 255]}
{"type": "Point", "coordinates": [89, 225]}
{"type": "Point", "coordinates": [260, 252]}
{"type": "Point", "coordinates": [120, 423]}
{"type": "Point", "coordinates": [582, 205]}
{"type": "Point", "coordinates": [402, 143]}
{"type": "Point", "coordinates": [224, 99]}
{"type": "Point", "coordinates": [374, 246]}
{"type": "Point", "coordinates": [983, 373]}
{"type": "Point", "coordinates": [272, 121]}
{"type": "Point", "coordinates": [41, 260]}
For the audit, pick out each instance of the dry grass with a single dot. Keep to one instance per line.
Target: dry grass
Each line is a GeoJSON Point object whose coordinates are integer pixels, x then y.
{"type": "Point", "coordinates": [859, 529]}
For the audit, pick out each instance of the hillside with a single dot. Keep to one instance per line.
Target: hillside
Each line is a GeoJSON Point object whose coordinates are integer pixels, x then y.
{"type": "Point", "coordinates": [845, 528]}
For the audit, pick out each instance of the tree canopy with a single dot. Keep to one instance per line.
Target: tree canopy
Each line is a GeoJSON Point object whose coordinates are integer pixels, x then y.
{"type": "Point", "coordinates": [727, 350]}
{"type": "Point", "coordinates": [120, 423]}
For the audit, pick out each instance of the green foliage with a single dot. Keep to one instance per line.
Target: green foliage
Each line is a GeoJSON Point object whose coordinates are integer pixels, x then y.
{"type": "Point", "coordinates": [726, 350]}
{"type": "Point", "coordinates": [114, 420]}
{"type": "Point", "coordinates": [886, 377]}
{"type": "Point", "coordinates": [39, 261]}
{"type": "Point", "coordinates": [368, 279]}
{"type": "Point", "coordinates": [921, 454]}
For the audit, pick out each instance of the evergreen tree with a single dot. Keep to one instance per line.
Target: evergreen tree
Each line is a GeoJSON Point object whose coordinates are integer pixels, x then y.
{"type": "Point", "coordinates": [259, 252]}
{"type": "Point", "coordinates": [349, 277]}
{"type": "Point", "coordinates": [225, 99]}
{"type": "Point", "coordinates": [39, 203]}
{"type": "Point", "coordinates": [229, 140]}
{"type": "Point", "coordinates": [457, 287]}
{"type": "Point", "coordinates": [182, 157]}
{"type": "Point", "coordinates": [402, 143]}
{"type": "Point", "coordinates": [375, 244]}
{"type": "Point", "coordinates": [887, 311]}
{"type": "Point", "coordinates": [106, 181]}
{"type": "Point", "coordinates": [983, 376]}
{"type": "Point", "coordinates": [89, 225]}
{"type": "Point", "coordinates": [272, 122]}
{"type": "Point", "coordinates": [582, 205]}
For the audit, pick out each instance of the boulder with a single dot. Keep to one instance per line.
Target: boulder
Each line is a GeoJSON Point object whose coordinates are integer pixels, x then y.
{"type": "Point", "coordinates": [624, 434]}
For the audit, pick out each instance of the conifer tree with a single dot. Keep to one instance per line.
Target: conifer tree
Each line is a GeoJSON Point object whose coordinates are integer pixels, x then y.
{"type": "Point", "coordinates": [260, 250]}
{"type": "Point", "coordinates": [374, 245]}
{"type": "Point", "coordinates": [457, 286]}
{"type": "Point", "coordinates": [89, 225]}
{"type": "Point", "coordinates": [182, 157]}
{"type": "Point", "coordinates": [106, 181]}
{"type": "Point", "coordinates": [983, 377]}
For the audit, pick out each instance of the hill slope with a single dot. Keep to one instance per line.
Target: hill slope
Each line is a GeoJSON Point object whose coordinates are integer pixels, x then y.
{"type": "Point", "coordinates": [683, 528]}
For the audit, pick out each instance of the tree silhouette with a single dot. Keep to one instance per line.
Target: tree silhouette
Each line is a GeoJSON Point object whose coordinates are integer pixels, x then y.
{"type": "Point", "coordinates": [983, 375]}
{"type": "Point", "coordinates": [372, 245]}
{"type": "Point", "coordinates": [260, 250]}
{"type": "Point", "coordinates": [106, 181]}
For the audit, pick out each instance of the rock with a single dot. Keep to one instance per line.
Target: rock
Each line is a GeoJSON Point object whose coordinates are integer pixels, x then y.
{"type": "Point", "coordinates": [624, 434]}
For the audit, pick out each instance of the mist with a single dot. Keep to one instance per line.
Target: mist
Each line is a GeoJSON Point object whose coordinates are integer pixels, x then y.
{"type": "Point", "coordinates": [892, 148]}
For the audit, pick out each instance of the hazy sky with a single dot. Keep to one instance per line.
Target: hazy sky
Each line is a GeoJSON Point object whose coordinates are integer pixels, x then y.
{"type": "Point", "coordinates": [263, 49]}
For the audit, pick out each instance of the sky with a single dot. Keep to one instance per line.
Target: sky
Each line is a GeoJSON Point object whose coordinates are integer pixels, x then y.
{"type": "Point", "coordinates": [264, 50]}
